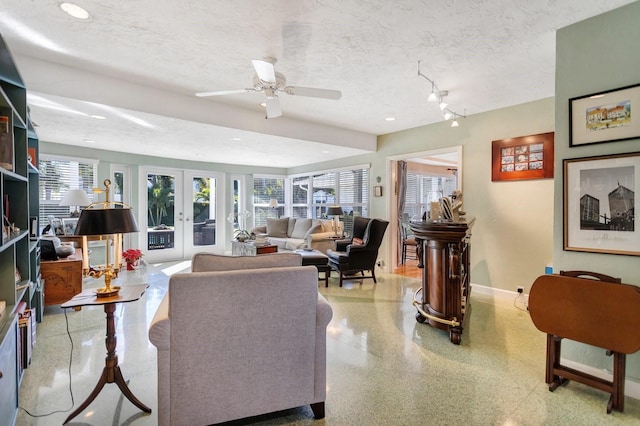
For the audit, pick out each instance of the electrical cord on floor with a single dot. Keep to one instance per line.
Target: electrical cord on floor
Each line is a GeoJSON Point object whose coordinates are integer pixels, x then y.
{"type": "Point", "coordinates": [70, 389]}
{"type": "Point", "coordinates": [524, 302]}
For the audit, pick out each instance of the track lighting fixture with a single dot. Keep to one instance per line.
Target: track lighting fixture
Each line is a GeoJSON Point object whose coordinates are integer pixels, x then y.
{"type": "Point", "coordinates": [432, 97]}
{"type": "Point", "coordinates": [439, 95]}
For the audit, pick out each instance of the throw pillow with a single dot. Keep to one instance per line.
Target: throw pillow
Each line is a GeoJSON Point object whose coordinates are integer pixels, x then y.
{"type": "Point", "coordinates": [300, 228]}
{"type": "Point", "coordinates": [357, 241]}
{"type": "Point", "coordinates": [278, 227]}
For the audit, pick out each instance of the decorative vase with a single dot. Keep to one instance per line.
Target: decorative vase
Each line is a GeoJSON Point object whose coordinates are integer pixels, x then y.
{"type": "Point", "coordinates": [131, 266]}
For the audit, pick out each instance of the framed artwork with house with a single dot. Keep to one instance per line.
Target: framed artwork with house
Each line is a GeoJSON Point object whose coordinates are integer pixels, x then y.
{"type": "Point", "coordinates": [604, 117]}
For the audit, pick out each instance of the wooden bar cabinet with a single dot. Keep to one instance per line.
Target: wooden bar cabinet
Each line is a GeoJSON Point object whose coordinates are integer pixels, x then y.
{"type": "Point", "coordinates": [444, 252]}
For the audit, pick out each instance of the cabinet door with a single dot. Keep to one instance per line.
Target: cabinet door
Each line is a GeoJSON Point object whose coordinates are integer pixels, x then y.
{"type": "Point", "coordinates": [62, 280]}
{"type": "Point", "coordinates": [9, 375]}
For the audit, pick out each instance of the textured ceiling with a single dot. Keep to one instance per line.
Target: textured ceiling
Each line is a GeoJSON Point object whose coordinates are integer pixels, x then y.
{"type": "Point", "coordinates": [139, 63]}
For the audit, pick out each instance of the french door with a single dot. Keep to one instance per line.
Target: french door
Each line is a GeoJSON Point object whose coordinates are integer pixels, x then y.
{"type": "Point", "coordinates": [183, 212]}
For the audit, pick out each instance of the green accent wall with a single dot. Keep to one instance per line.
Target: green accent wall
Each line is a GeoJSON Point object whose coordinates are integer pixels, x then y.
{"type": "Point", "coordinates": [598, 54]}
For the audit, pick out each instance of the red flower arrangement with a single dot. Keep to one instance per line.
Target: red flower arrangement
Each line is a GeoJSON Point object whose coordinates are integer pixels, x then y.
{"type": "Point", "coordinates": [131, 255]}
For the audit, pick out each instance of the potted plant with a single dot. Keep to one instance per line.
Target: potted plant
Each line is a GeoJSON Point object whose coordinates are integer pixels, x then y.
{"type": "Point", "coordinates": [131, 258]}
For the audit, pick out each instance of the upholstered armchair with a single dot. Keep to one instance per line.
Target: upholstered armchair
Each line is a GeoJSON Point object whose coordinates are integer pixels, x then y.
{"type": "Point", "coordinates": [239, 337]}
{"type": "Point", "coordinates": [359, 253]}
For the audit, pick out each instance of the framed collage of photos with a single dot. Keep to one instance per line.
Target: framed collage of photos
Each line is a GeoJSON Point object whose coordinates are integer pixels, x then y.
{"type": "Point", "coordinates": [526, 157]}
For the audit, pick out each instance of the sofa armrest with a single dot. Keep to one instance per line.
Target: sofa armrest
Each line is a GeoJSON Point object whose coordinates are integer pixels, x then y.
{"type": "Point", "coordinates": [341, 245]}
{"type": "Point", "coordinates": [160, 329]}
{"type": "Point", "coordinates": [320, 236]}
{"type": "Point", "coordinates": [259, 230]}
{"type": "Point", "coordinates": [324, 313]}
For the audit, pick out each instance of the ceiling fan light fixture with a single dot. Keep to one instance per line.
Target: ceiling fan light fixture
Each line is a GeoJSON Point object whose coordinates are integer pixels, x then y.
{"type": "Point", "coordinates": [447, 115]}
{"type": "Point", "coordinates": [455, 123]}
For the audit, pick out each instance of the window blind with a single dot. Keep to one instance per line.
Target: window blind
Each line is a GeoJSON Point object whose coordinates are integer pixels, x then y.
{"type": "Point", "coordinates": [57, 176]}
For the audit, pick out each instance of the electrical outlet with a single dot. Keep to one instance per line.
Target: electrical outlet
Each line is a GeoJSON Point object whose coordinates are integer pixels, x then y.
{"type": "Point", "coordinates": [520, 289]}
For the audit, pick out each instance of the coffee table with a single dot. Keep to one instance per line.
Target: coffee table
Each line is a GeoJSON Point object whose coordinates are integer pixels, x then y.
{"type": "Point", "coordinates": [248, 249]}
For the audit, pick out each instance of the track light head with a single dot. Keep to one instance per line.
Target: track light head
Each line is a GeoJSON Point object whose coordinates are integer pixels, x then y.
{"type": "Point", "coordinates": [454, 123]}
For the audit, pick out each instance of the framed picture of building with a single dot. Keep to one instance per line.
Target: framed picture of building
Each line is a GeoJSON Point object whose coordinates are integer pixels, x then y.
{"type": "Point", "coordinates": [599, 204]}
{"type": "Point", "coordinates": [524, 157]}
{"type": "Point", "coordinates": [605, 116]}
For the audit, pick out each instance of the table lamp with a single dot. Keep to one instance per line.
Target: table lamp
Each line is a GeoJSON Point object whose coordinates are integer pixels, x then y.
{"type": "Point", "coordinates": [336, 212]}
{"type": "Point", "coordinates": [273, 205]}
{"type": "Point", "coordinates": [109, 220]}
{"type": "Point", "coordinates": [77, 198]}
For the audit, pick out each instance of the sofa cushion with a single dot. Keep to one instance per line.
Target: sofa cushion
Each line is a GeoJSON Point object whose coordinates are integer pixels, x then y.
{"type": "Point", "coordinates": [301, 227]}
{"type": "Point", "coordinates": [278, 227]}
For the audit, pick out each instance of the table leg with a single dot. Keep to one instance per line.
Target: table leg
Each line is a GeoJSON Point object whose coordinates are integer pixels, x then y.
{"type": "Point", "coordinates": [111, 372]}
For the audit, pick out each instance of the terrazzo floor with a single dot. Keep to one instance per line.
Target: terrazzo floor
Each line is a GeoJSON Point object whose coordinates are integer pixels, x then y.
{"type": "Point", "coordinates": [383, 368]}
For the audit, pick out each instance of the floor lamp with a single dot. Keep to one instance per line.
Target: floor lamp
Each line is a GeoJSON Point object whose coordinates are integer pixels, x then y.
{"type": "Point", "coordinates": [109, 220]}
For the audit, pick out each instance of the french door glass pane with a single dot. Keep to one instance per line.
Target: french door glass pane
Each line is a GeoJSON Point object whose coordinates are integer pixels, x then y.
{"type": "Point", "coordinates": [161, 213]}
{"type": "Point", "coordinates": [204, 211]}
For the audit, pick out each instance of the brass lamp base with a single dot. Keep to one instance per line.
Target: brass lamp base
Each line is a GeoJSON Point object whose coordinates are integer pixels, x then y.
{"type": "Point", "coordinates": [107, 291]}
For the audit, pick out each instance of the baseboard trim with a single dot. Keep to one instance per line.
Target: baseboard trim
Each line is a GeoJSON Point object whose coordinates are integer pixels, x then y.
{"type": "Point", "coordinates": [631, 389]}
{"type": "Point", "coordinates": [497, 294]}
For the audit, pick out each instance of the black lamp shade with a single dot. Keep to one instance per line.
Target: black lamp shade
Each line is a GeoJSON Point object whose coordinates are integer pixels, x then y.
{"type": "Point", "coordinates": [106, 222]}
{"type": "Point", "coordinates": [334, 211]}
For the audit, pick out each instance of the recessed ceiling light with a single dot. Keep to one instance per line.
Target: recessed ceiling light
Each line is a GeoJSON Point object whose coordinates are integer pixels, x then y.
{"type": "Point", "coordinates": [74, 10]}
{"type": "Point", "coordinates": [198, 154]}
{"type": "Point", "coordinates": [263, 104]}
{"type": "Point", "coordinates": [98, 117]}
{"type": "Point", "coordinates": [325, 152]}
{"type": "Point", "coordinates": [89, 141]}
{"type": "Point", "coordinates": [236, 139]}
{"type": "Point", "coordinates": [390, 119]}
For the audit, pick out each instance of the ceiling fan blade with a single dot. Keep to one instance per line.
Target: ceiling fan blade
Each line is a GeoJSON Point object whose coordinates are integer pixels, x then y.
{"type": "Point", "coordinates": [223, 92]}
{"type": "Point", "coordinates": [273, 107]}
{"type": "Point", "coordinates": [312, 92]}
{"type": "Point", "coordinates": [265, 70]}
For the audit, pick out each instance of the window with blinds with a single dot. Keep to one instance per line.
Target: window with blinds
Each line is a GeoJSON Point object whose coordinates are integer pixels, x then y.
{"type": "Point", "coordinates": [309, 196]}
{"type": "Point", "coordinates": [266, 189]}
{"type": "Point", "coordinates": [421, 189]}
{"type": "Point", "coordinates": [300, 196]}
{"type": "Point", "coordinates": [57, 176]}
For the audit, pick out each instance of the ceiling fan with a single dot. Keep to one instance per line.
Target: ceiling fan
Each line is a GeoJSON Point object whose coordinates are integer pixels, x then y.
{"type": "Point", "coordinates": [271, 83]}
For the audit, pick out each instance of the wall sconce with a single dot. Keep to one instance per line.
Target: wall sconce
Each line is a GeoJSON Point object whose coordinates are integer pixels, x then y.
{"type": "Point", "coordinates": [109, 220]}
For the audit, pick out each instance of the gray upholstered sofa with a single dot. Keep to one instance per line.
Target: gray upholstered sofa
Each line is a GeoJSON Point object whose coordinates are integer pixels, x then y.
{"type": "Point", "coordinates": [290, 233]}
{"type": "Point", "coordinates": [239, 337]}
